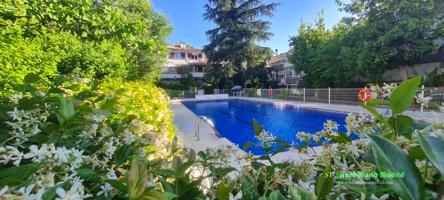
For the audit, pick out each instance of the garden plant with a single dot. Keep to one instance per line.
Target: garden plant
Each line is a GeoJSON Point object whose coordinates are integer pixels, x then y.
{"type": "Point", "coordinates": [81, 117]}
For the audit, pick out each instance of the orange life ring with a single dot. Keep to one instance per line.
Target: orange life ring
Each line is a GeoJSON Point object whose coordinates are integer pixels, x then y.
{"type": "Point", "coordinates": [270, 92]}
{"type": "Point", "coordinates": [364, 95]}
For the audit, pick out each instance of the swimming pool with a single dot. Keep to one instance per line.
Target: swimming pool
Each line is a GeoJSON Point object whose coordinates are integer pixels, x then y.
{"type": "Point", "coordinates": [233, 119]}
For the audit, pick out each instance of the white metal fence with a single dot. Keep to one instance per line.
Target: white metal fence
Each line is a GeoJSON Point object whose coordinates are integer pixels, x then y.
{"type": "Point", "coordinates": [325, 95]}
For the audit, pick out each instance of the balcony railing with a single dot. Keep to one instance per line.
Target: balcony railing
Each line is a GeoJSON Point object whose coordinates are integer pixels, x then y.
{"type": "Point", "coordinates": [197, 74]}
{"type": "Point", "coordinates": [170, 76]}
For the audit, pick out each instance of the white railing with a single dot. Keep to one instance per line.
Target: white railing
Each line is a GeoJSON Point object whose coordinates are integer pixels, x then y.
{"type": "Point", "coordinates": [324, 95]}
{"type": "Point", "coordinates": [197, 74]}
{"type": "Point", "coordinates": [170, 76]}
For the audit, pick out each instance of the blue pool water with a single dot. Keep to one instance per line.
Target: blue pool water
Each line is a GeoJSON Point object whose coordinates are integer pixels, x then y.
{"type": "Point", "coordinates": [233, 119]}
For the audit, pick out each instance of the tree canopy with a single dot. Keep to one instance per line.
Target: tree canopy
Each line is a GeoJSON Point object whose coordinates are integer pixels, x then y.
{"type": "Point", "coordinates": [96, 39]}
{"type": "Point", "coordinates": [233, 43]}
{"type": "Point", "coordinates": [379, 35]}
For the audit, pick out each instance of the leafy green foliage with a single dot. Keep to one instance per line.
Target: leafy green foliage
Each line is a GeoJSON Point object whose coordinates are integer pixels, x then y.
{"type": "Point", "coordinates": [73, 127]}
{"type": "Point", "coordinates": [404, 94]}
{"type": "Point", "coordinates": [233, 41]}
{"type": "Point", "coordinates": [390, 158]}
{"type": "Point", "coordinates": [324, 183]}
{"type": "Point", "coordinates": [433, 148]}
{"type": "Point", "coordinates": [297, 193]}
{"type": "Point", "coordinates": [96, 39]}
{"type": "Point", "coordinates": [65, 111]}
{"type": "Point", "coordinates": [257, 127]}
{"type": "Point", "coordinates": [17, 175]}
{"type": "Point", "coordinates": [137, 178]}
{"type": "Point", "coordinates": [249, 189]}
{"type": "Point", "coordinates": [379, 35]}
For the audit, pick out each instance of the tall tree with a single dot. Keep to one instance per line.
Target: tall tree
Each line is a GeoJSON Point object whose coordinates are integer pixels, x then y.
{"type": "Point", "coordinates": [377, 36]}
{"type": "Point", "coordinates": [239, 27]}
{"type": "Point", "coordinates": [404, 29]}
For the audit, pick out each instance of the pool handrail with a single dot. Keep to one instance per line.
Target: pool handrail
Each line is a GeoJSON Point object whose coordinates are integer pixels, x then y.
{"type": "Point", "coordinates": [208, 121]}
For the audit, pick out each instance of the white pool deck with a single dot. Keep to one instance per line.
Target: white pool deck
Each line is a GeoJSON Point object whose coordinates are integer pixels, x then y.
{"type": "Point", "coordinates": [185, 120]}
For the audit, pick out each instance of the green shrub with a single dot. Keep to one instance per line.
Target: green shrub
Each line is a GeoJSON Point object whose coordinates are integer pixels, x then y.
{"type": "Point", "coordinates": [285, 94]}
{"type": "Point", "coordinates": [72, 137]}
{"type": "Point", "coordinates": [250, 92]}
{"type": "Point", "coordinates": [96, 39]}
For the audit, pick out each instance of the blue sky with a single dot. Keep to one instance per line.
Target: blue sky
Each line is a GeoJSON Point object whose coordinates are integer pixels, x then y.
{"type": "Point", "coordinates": [189, 25]}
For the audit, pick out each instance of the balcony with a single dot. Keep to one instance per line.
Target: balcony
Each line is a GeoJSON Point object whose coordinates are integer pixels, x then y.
{"type": "Point", "coordinates": [197, 74]}
{"type": "Point", "coordinates": [170, 76]}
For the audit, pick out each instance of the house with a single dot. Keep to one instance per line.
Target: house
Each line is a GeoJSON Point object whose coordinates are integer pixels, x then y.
{"type": "Point", "coordinates": [182, 61]}
{"type": "Point", "coordinates": [281, 70]}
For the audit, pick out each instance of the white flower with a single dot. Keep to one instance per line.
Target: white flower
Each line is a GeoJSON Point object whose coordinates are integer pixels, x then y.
{"type": "Point", "coordinates": [91, 131]}
{"type": "Point", "coordinates": [316, 138]}
{"type": "Point", "coordinates": [15, 98]}
{"type": "Point", "coordinates": [76, 192]}
{"type": "Point", "coordinates": [110, 148]}
{"type": "Point", "coordinates": [265, 138]}
{"type": "Point", "coordinates": [58, 155]}
{"type": "Point", "coordinates": [387, 89]}
{"type": "Point", "coordinates": [331, 125]}
{"type": "Point", "coordinates": [238, 196]}
{"type": "Point", "coordinates": [129, 138]}
{"type": "Point", "coordinates": [150, 184]}
{"type": "Point", "coordinates": [98, 118]}
{"type": "Point", "coordinates": [303, 136]}
{"type": "Point", "coordinates": [16, 114]}
{"type": "Point", "coordinates": [383, 197]}
{"type": "Point", "coordinates": [105, 190]}
{"type": "Point", "coordinates": [45, 180]}
{"type": "Point", "coordinates": [37, 154]}
{"type": "Point", "coordinates": [10, 153]}
{"type": "Point", "coordinates": [375, 88]}
{"type": "Point", "coordinates": [76, 158]}
{"type": "Point", "coordinates": [26, 192]}
{"type": "Point", "coordinates": [16, 127]}
{"type": "Point", "coordinates": [4, 190]}
{"type": "Point", "coordinates": [61, 155]}
{"type": "Point", "coordinates": [35, 130]}
{"type": "Point", "coordinates": [306, 186]}
{"type": "Point", "coordinates": [111, 174]}
{"type": "Point", "coordinates": [359, 122]}
{"type": "Point", "coordinates": [424, 101]}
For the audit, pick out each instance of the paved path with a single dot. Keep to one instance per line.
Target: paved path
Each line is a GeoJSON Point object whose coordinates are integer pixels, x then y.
{"type": "Point", "coordinates": [185, 120]}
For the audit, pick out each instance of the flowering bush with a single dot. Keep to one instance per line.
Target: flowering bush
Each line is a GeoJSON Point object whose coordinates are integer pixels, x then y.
{"type": "Point", "coordinates": [74, 139]}
{"type": "Point", "coordinates": [114, 140]}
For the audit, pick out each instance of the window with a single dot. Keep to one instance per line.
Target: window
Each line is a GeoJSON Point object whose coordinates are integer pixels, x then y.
{"type": "Point", "coordinates": [176, 55]}
{"type": "Point", "coordinates": [199, 55]}
{"type": "Point", "coordinates": [198, 68]}
{"type": "Point", "coordinates": [192, 56]}
{"type": "Point", "coordinates": [169, 70]}
{"type": "Point", "coordinates": [289, 73]}
{"type": "Point", "coordinates": [182, 55]}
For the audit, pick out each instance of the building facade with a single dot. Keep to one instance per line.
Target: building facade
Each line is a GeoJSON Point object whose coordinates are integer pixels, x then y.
{"type": "Point", "coordinates": [281, 70]}
{"type": "Point", "coordinates": [183, 61]}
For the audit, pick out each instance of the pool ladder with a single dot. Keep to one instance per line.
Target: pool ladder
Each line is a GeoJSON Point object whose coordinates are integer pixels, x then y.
{"type": "Point", "coordinates": [208, 122]}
